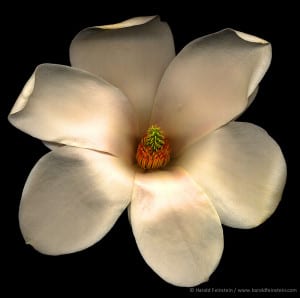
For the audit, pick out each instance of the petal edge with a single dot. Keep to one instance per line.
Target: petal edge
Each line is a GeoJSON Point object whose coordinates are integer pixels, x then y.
{"type": "Point", "coordinates": [72, 198]}
{"type": "Point", "coordinates": [208, 84]}
{"type": "Point", "coordinates": [64, 105]}
{"type": "Point", "coordinates": [243, 171]}
{"type": "Point", "coordinates": [177, 229]}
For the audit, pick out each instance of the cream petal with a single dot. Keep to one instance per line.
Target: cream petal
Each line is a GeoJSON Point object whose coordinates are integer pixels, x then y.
{"type": "Point", "coordinates": [52, 146]}
{"type": "Point", "coordinates": [242, 170]}
{"type": "Point", "coordinates": [72, 198]}
{"type": "Point", "coordinates": [208, 84]}
{"type": "Point", "coordinates": [252, 96]}
{"type": "Point", "coordinates": [250, 100]}
{"type": "Point", "coordinates": [63, 105]}
{"type": "Point", "coordinates": [176, 227]}
{"type": "Point", "coordinates": [132, 55]}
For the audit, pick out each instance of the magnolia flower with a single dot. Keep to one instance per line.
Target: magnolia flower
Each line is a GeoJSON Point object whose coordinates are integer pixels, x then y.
{"type": "Point", "coordinates": [131, 125]}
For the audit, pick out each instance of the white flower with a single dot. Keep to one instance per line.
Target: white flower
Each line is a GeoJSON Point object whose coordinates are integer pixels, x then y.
{"type": "Point", "coordinates": [220, 171]}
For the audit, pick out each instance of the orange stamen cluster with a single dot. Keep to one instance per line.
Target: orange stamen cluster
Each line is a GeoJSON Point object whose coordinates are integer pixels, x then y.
{"type": "Point", "coordinates": [149, 157]}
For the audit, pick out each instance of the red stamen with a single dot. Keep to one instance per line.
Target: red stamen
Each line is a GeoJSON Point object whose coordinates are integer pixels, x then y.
{"type": "Point", "coordinates": [149, 159]}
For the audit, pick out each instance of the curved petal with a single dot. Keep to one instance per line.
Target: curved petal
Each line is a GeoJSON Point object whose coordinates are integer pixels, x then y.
{"type": "Point", "coordinates": [208, 84]}
{"type": "Point", "coordinates": [72, 198]}
{"type": "Point", "coordinates": [242, 170]}
{"type": "Point", "coordinates": [60, 104]}
{"type": "Point", "coordinates": [177, 229]}
{"type": "Point", "coordinates": [53, 146]}
{"type": "Point", "coordinates": [132, 55]}
{"type": "Point", "coordinates": [252, 96]}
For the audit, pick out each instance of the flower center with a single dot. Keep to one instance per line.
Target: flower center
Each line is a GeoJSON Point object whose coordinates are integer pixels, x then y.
{"type": "Point", "coordinates": [154, 149]}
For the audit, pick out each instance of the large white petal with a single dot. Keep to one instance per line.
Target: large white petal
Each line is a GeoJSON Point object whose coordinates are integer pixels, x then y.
{"type": "Point", "coordinates": [60, 104]}
{"type": "Point", "coordinates": [208, 84]}
{"type": "Point", "coordinates": [72, 198]}
{"type": "Point", "coordinates": [176, 227]}
{"type": "Point", "coordinates": [64, 105]}
{"type": "Point", "coordinates": [242, 170]}
{"type": "Point", "coordinates": [132, 55]}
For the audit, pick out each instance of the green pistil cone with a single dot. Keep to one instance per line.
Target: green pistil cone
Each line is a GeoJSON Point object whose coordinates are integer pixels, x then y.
{"type": "Point", "coordinates": [155, 138]}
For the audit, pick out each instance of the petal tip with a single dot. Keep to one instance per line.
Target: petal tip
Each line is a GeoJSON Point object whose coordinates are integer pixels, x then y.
{"type": "Point", "coordinates": [136, 21]}
{"type": "Point", "coordinates": [23, 97]}
{"type": "Point", "coordinates": [248, 37]}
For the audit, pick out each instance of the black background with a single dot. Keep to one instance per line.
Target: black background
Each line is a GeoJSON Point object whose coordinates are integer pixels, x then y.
{"type": "Point", "coordinates": [264, 257]}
